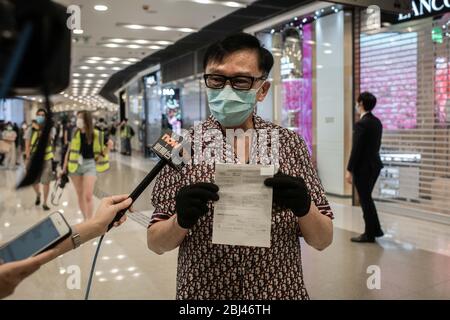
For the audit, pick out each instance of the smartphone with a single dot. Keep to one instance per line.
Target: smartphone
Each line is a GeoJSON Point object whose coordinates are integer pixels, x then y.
{"type": "Point", "coordinates": [36, 239]}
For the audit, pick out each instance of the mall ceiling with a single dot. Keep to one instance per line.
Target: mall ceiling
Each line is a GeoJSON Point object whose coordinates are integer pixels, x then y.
{"type": "Point", "coordinates": [115, 34]}
{"type": "Point", "coordinates": [233, 22]}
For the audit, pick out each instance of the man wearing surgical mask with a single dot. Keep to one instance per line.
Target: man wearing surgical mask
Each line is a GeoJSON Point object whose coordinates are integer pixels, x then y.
{"type": "Point", "coordinates": [31, 142]}
{"type": "Point", "coordinates": [236, 73]}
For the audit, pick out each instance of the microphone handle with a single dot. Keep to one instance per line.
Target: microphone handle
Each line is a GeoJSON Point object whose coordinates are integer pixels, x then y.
{"type": "Point", "coordinates": [140, 188]}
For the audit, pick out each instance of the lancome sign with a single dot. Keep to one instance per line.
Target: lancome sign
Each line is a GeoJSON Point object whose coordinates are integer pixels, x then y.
{"type": "Point", "coordinates": [425, 8]}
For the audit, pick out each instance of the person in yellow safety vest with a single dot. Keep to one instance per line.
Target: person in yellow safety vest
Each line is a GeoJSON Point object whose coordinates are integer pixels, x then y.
{"type": "Point", "coordinates": [31, 141]}
{"type": "Point", "coordinates": [126, 133]}
{"type": "Point", "coordinates": [88, 154]}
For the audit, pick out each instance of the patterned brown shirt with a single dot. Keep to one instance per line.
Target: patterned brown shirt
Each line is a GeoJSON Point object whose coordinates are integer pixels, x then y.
{"type": "Point", "coordinates": [213, 271]}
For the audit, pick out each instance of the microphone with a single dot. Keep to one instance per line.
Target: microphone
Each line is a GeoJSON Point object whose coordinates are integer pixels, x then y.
{"type": "Point", "coordinates": [167, 145]}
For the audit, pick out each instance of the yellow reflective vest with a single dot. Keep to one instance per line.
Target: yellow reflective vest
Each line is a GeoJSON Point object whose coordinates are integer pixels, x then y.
{"type": "Point", "coordinates": [125, 132]}
{"type": "Point", "coordinates": [34, 142]}
{"type": "Point", "coordinates": [101, 155]}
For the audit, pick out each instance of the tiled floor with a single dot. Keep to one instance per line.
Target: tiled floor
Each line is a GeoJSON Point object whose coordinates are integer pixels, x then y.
{"type": "Point", "coordinates": [413, 258]}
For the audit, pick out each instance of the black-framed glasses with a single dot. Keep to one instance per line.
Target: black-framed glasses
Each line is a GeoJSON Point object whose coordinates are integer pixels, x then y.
{"type": "Point", "coordinates": [218, 81]}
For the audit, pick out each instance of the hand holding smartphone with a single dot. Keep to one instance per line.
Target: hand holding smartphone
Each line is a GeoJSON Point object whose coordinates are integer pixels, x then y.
{"type": "Point", "coordinates": [40, 237]}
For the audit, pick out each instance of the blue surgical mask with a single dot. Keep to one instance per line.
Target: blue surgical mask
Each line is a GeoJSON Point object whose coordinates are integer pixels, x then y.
{"type": "Point", "coordinates": [40, 119]}
{"type": "Point", "coordinates": [231, 107]}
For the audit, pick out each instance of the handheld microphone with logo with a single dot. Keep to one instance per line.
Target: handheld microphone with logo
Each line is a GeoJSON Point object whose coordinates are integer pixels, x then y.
{"type": "Point", "coordinates": [167, 145]}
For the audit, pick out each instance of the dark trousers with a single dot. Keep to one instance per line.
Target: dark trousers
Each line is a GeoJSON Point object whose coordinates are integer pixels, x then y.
{"type": "Point", "coordinates": [63, 154]}
{"type": "Point", "coordinates": [365, 182]}
{"type": "Point", "coordinates": [126, 146]}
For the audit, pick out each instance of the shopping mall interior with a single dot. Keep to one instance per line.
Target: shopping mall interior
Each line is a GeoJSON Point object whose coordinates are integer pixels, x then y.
{"type": "Point", "coordinates": [135, 69]}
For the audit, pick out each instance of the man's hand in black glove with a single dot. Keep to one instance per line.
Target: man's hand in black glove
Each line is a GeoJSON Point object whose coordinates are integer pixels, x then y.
{"type": "Point", "coordinates": [191, 202]}
{"type": "Point", "coordinates": [290, 192]}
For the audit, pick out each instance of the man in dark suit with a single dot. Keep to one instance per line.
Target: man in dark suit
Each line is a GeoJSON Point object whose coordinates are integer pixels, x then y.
{"type": "Point", "coordinates": [365, 164]}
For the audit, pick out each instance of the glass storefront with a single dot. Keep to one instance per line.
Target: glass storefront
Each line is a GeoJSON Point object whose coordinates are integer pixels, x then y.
{"type": "Point", "coordinates": [193, 99]}
{"type": "Point", "coordinates": [171, 109]}
{"type": "Point", "coordinates": [136, 113]}
{"type": "Point", "coordinates": [184, 102]}
{"type": "Point", "coordinates": [406, 64]}
{"type": "Point", "coordinates": [153, 107]}
{"type": "Point", "coordinates": [12, 110]}
{"type": "Point", "coordinates": [311, 84]}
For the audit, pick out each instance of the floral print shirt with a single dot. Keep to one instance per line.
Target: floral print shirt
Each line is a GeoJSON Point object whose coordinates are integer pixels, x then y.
{"type": "Point", "coordinates": [213, 271]}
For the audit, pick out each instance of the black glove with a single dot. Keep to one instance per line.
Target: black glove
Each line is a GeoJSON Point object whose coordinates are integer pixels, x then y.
{"type": "Point", "coordinates": [290, 192]}
{"type": "Point", "coordinates": [191, 202]}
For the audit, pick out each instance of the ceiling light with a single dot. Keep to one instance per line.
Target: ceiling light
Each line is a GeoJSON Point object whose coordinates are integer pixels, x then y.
{"type": "Point", "coordinates": [104, 75]}
{"type": "Point", "coordinates": [203, 1]}
{"type": "Point", "coordinates": [161, 28]}
{"type": "Point", "coordinates": [186, 30]}
{"type": "Point", "coordinates": [163, 42]}
{"type": "Point", "coordinates": [126, 62]}
{"type": "Point", "coordinates": [134, 26]}
{"type": "Point", "coordinates": [91, 61]}
{"type": "Point", "coordinates": [78, 31]}
{"type": "Point", "coordinates": [95, 58]}
{"type": "Point", "coordinates": [133, 46]}
{"type": "Point", "coordinates": [90, 75]}
{"type": "Point", "coordinates": [114, 59]}
{"type": "Point", "coordinates": [100, 68]}
{"type": "Point", "coordinates": [111, 45]}
{"type": "Point", "coordinates": [328, 51]}
{"type": "Point", "coordinates": [118, 40]}
{"type": "Point", "coordinates": [109, 62]}
{"type": "Point", "coordinates": [141, 41]}
{"type": "Point", "coordinates": [154, 47]}
{"type": "Point", "coordinates": [100, 7]}
{"type": "Point", "coordinates": [133, 60]}
{"type": "Point", "coordinates": [117, 68]}
{"type": "Point", "coordinates": [234, 4]}
{"type": "Point", "coordinates": [76, 75]}
{"type": "Point", "coordinates": [84, 68]}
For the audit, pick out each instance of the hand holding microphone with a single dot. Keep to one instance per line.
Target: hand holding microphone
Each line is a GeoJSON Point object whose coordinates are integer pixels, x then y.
{"type": "Point", "coordinates": [192, 202]}
{"type": "Point", "coordinates": [164, 148]}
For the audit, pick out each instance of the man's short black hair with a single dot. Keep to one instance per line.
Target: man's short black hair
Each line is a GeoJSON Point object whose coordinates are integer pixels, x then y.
{"type": "Point", "coordinates": [41, 110]}
{"type": "Point", "coordinates": [236, 42]}
{"type": "Point", "coordinates": [369, 101]}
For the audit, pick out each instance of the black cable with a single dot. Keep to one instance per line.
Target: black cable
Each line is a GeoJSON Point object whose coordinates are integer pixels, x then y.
{"type": "Point", "coordinates": [88, 288]}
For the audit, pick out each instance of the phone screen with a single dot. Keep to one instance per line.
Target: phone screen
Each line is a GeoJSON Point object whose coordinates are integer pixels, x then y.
{"type": "Point", "coordinates": [31, 242]}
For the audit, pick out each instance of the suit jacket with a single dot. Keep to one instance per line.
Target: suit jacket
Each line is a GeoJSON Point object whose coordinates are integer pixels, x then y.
{"type": "Point", "coordinates": [365, 155]}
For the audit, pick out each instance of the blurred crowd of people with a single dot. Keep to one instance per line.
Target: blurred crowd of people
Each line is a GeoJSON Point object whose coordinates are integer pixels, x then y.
{"type": "Point", "coordinates": [19, 142]}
